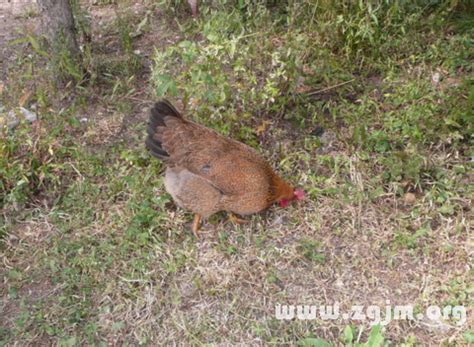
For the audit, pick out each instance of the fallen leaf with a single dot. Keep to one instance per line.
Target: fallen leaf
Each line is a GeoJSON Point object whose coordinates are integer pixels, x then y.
{"type": "Point", "coordinates": [262, 127]}
{"type": "Point", "coordinates": [308, 70]}
{"type": "Point", "coordinates": [303, 89]}
{"type": "Point", "coordinates": [24, 98]}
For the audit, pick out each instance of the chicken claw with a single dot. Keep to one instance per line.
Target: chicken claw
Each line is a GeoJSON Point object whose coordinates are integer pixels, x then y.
{"type": "Point", "coordinates": [236, 220]}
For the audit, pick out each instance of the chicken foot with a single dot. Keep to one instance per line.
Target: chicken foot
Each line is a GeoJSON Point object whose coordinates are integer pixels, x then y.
{"type": "Point", "coordinates": [236, 220]}
{"type": "Point", "coordinates": [196, 224]}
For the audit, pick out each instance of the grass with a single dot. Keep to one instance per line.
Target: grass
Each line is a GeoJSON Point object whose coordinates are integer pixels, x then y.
{"type": "Point", "coordinates": [367, 107]}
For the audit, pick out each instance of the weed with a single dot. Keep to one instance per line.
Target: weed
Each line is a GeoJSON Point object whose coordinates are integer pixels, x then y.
{"type": "Point", "coordinates": [365, 105]}
{"type": "Point", "coordinates": [310, 250]}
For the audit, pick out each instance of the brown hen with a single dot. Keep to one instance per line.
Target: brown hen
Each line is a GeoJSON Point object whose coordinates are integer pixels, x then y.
{"type": "Point", "coordinates": [207, 172]}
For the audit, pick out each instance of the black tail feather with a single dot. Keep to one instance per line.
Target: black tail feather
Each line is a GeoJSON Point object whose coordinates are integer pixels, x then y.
{"type": "Point", "coordinates": [155, 148]}
{"type": "Point", "coordinates": [159, 112]}
{"type": "Point", "coordinates": [164, 108]}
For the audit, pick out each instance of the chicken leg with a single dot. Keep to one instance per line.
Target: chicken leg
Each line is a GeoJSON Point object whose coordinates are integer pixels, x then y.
{"type": "Point", "coordinates": [196, 224]}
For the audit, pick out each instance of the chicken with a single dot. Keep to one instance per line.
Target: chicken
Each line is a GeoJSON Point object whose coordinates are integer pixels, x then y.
{"type": "Point", "coordinates": [207, 172]}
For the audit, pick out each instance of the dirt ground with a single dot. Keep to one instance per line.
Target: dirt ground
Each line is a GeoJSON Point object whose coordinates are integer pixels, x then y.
{"type": "Point", "coordinates": [11, 23]}
{"type": "Point", "coordinates": [219, 294]}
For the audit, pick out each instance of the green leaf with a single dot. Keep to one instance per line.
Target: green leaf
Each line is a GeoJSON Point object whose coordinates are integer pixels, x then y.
{"type": "Point", "coordinates": [36, 46]}
{"type": "Point", "coordinates": [469, 336]}
{"type": "Point", "coordinates": [446, 209]}
{"type": "Point", "coordinates": [68, 342]}
{"type": "Point", "coordinates": [165, 84]}
{"type": "Point", "coordinates": [185, 44]}
{"type": "Point", "coordinates": [375, 338]}
{"type": "Point", "coordinates": [18, 41]}
{"type": "Point", "coordinates": [212, 37]}
{"type": "Point", "coordinates": [348, 334]}
{"type": "Point", "coordinates": [141, 25]}
{"type": "Point", "coordinates": [118, 326]}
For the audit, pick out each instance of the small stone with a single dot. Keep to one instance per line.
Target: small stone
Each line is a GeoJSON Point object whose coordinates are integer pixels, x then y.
{"type": "Point", "coordinates": [29, 116]}
{"type": "Point", "coordinates": [11, 120]}
{"type": "Point", "coordinates": [278, 221]}
{"type": "Point", "coordinates": [409, 198]}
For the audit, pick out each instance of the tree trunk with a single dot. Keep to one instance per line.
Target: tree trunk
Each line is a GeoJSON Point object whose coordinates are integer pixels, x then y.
{"type": "Point", "coordinates": [58, 25]}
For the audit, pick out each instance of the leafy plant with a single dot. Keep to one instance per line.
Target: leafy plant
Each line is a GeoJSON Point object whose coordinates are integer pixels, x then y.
{"type": "Point", "coordinates": [375, 339]}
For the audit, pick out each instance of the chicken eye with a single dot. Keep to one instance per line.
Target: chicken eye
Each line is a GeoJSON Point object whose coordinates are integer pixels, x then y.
{"type": "Point", "coordinates": [206, 168]}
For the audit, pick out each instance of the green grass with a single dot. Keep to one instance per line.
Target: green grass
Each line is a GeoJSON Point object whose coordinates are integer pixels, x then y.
{"type": "Point", "coordinates": [96, 252]}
